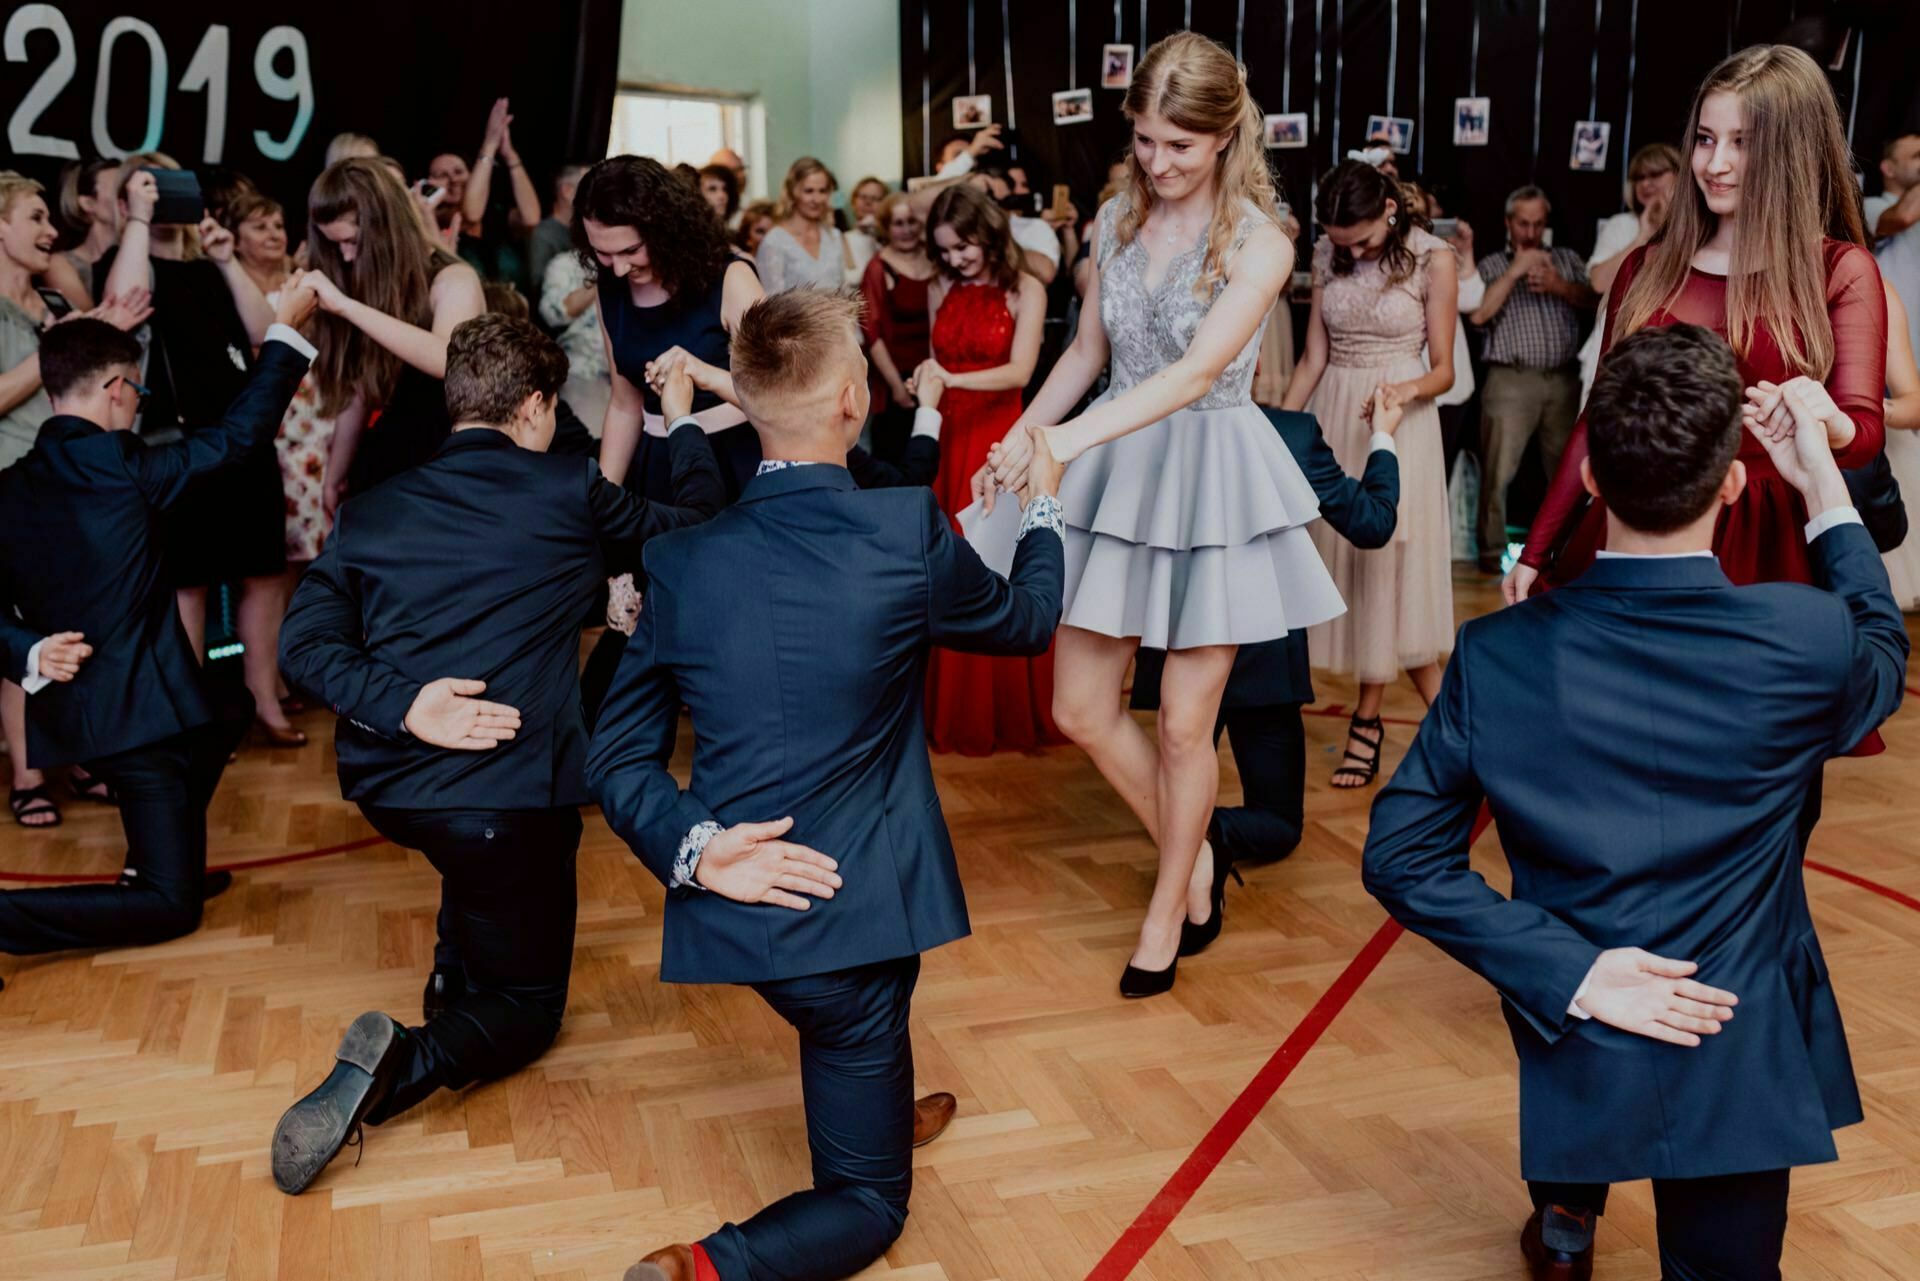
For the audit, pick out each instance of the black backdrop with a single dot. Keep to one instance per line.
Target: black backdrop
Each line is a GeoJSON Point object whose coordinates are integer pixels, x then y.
{"type": "Point", "coordinates": [419, 77]}
{"type": "Point", "coordinates": [1675, 43]}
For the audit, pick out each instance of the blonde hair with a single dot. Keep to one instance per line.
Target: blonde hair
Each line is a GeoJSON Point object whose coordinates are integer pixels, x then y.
{"type": "Point", "coordinates": [788, 343]}
{"type": "Point", "coordinates": [12, 187]}
{"type": "Point", "coordinates": [1649, 161]}
{"type": "Point", "coordinates": [1796, 190]}
{"type": "Point", "coordinates": [883, 213]}
{"type": "Point", "coordinates": [189, 236]}
{"type": "Point", "coordinates": [1195, 84]}
{"type": "Point", "coordinates": [351, 146]}
{"type": "Point", "coordinates": [801, 170]}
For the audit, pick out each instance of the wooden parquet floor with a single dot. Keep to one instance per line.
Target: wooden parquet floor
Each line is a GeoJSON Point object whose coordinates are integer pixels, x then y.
{"type": "Point", "coordinates": [138, 1088]}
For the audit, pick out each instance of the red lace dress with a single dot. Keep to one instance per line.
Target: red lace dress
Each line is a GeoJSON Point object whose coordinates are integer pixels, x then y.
{"type": "Point", "coordinates": [978, 705]}
{"type": "Point", "coordinates": [1761, 537]}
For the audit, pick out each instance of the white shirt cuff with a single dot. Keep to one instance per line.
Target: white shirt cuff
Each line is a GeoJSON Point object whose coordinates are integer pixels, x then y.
{"type": "Point", "coordinates": [1380, 440]}
{"type": "Point", "coordinates": [33, 682]}
{"type": "Point", "coordinates": [292, 338]}
{"type": "Point", "coordinates": [926, 422]}
{"type": "Point", "coordinates": [1573, 1006]}
{"type": "Point", "coordinates": [960, 164]}
{"type": "Point", "coordinates": [686, 860]}
{"type": "Point", "coordinates": [1830, 518]}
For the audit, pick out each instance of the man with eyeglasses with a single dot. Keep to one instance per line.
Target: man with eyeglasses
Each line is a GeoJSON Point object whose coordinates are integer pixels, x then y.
{"type": "Point", "coordinates": [81, 564]}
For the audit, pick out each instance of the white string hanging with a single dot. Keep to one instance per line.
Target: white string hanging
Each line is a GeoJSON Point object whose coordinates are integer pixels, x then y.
{"type": "Point", "coordinates": [1116, 22]}
{"type": "Point", "coordinates": [1593, 71]}
{"type": "Point", "coordinates": [1633, 67]}
{"type": "Point", "coordinates": [973, 86]}
{"type": "Point", "coordinates": [1239, 32]}
{"type": "Point", "coordinates": [1339, 65]}
{"type": "Point", "coordinates": [1539, 75]}
{"type": "Point", "coordinates": [1286, 62]}
{"type": "Point", "coordinates": [1393, 50]}
{"type": "Point", "coordinates": [926, 93]}
{"type": "Point", "coordinates": [1319, 15]}
{"type": "Point", "coordinates": [1420, 127]}
{"type": "Point", "coordinates": [1473, 57]}
{"type": "Point", "coordinates": [1006, 56]}
{"type": "Point", "coordinates": [1859, 57]}
{"type": "Point", "coordinates": [1073, 44]}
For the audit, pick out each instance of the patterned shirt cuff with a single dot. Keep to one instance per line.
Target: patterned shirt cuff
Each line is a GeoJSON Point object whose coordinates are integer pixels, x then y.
{"type": "Point", "coordinates": [687, 860]}
{"type": "Point", "coordinates": [1044, 512]}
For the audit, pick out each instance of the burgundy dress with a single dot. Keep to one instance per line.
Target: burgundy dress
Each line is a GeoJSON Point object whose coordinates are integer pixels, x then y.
{"type": "Point", "coordinates": [978, 705]}
{"type": "Point", "coordinates": [895, 313]}
{"type": "Point", "coordinates": [1761, 536]}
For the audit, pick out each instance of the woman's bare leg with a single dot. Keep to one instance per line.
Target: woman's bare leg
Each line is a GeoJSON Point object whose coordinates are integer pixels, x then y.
{"type": "Point", "coordinates": [1185, 788]}
{"type": "Point", "coordinates": [13, 720]}
{"type": "Point", "coordinates": [1426, 679]}
{"type": "Point", "coordinates": [1089, 671]}
{"type": "Point", "coordinates": [192, 604]}
{"type": "Point", "coordinates": [263, 603]}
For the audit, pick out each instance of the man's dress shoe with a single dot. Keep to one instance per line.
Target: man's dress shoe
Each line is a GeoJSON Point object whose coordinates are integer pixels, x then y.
{"type": "Point", "coordinates": [312, 1131]}
{"type": "Point", "coordinates": [931, 1116]}
{"type": "Point", "coordinates": [1558, 1244]}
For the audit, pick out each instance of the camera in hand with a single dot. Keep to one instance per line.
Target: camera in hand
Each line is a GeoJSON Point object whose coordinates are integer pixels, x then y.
{"type": "Point", "coordinates": [1446, 228]}
{"type": "Point", "coordinates": [180, 198]}
{"type": "Point", "coordinates": [57, 304]}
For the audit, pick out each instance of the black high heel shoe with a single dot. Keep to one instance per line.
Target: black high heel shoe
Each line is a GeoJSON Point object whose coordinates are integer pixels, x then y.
{"type": "Point", "coordinates": [1136, 982]}
{"type": "Point", "coordinates": [1195, 939]}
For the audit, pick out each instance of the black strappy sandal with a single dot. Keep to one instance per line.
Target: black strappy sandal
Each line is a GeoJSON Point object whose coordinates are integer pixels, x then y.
{"type": "Point", "coordinates": [91, 787]}
{"type": "Point", "coordinates": [28, 802]}
{"type": "Point", "coordinates": [1361, 770]}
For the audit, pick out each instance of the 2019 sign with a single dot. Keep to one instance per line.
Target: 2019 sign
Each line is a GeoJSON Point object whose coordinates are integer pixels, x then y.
{"type": "Point", "coordinates": [207, 71]}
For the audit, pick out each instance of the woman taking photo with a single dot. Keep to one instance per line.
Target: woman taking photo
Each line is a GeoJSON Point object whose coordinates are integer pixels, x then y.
{"type": "Point", "coordinates": [388, 302]}
{"type": "Point", "coordinates": [987, 319]}
{"type": "Point", "coordinates": [1186, 514]}
{"type": "Point", "coordinates": [1383, 288]}
{"type": "Point", "coordinates": [1652, 175]}
{"type": "Point", "coordinates": [804, 247]}
{"type": "Point", "coordinates": [894, 321]}
{"type": "Point", "coordinates": [1764, 246]}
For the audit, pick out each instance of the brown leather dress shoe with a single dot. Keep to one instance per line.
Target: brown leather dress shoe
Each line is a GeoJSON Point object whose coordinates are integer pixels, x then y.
{"type": "Point", "coordinates": [931, 1116]}
{"type": "Point", "coordinates": [1558, 1244]}
{"type": "Point", "coordinates": [675, 1263]}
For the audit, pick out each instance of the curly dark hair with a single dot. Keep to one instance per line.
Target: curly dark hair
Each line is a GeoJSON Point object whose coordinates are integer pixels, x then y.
{"type": "Point", "coordinates": [686, 244]}
{"type": "Point", "coordinates": [1663, 425]}
{"type": "Point", "coordinates": [1353, 191]}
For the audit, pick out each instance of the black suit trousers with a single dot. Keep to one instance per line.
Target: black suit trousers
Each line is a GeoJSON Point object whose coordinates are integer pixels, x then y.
{"type": "Point", "coordinates": [1729, 1228]}
{"type": "Point", "coordinates": [508, 903]}
{"type": "Point", "coordinates": [163, 790]}
{"type": "Point", "coordinates": [856, 1077]}
{"type": "Point", "coordinates": [1270, 751]}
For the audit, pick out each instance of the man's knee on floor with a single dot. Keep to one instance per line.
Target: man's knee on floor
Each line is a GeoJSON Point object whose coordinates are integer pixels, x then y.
{"type": "Point", "coordinates": [162, 914]}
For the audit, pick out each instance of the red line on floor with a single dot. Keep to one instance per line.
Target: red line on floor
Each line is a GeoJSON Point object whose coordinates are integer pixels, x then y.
{"type": "Point", "coordinates": [271, 860]}
{"type": "Point", "coordinates": [1854, 878]}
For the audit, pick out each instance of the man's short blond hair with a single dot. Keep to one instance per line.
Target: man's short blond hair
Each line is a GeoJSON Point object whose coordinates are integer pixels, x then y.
{"type": "Point", "coordinates": [790, 343]}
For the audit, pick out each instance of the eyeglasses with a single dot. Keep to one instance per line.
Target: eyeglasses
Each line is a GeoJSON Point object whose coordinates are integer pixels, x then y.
{"type": "Point", "coordinates": [143, 392]}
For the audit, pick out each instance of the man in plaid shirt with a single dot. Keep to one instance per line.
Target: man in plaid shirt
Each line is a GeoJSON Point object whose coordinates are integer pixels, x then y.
{"type": "Point", "coordinates": [1532, 313]}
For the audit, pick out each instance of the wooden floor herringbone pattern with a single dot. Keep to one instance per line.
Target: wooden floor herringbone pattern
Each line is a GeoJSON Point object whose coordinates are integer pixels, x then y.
{"type": "Point", "coordinates": [138, 1088]}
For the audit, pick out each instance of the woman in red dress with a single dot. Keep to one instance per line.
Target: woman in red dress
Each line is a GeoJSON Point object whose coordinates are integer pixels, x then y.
{"type": "Point", "coordinates": [894, 321]}
{"type": "Point", "coordinates": [1768, 251]}
{"type": "Point", "coordinates": [987, 316]}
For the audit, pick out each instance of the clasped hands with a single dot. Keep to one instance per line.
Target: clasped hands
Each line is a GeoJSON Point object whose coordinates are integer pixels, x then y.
{"type": "Point", "coordinates": [1027, 462]}
{"type": "Point", "coordinates": [674, 375]}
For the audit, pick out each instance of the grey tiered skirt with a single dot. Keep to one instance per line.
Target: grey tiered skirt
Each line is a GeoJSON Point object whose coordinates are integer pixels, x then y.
{"type": "Point", "coordinates": [1192, 532]}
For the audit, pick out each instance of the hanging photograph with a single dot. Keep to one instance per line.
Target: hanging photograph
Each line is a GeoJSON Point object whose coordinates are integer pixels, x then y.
{"type": "Point", "coordinates": [1590, 146]}
{"type": "Point", "coordinates": [1287, 130]}
{"type": "Point", "coordinates": [973, 111]}
{"type": "Point", "coordinates": [1395, 131]}
{"type": "Point", "coordinates": [1470, 117]}
{"type": "Point", "coordinates": [1116, 66]}
{"type": "Point", "coordinates": [1073, 106]}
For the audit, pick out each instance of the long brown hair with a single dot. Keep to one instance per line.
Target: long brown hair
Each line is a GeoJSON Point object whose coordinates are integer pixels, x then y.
{"type": "Point", "coordinates": [1796, 189]}
{"type": "Point", "coordinates": [1352, 192]}
{"type": "Point", "coordinates": [392, 272]}
{"type": "Point", "coordinates": [977, 221]}
{"type": "Point", "coordinates": [1195, 84]}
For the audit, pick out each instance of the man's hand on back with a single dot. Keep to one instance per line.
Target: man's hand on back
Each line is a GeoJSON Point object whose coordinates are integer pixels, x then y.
{"type": "Point", "coordinates": [447, 714]}
{"type": "Point", "coordinates": [750, 864]}
{"type": "Point", "coordinates": [1651, 996]}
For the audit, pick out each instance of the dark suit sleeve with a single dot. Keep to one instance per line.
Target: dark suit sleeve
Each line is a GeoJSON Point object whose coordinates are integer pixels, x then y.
{"type": "Point", "coordinates": [1876, 496]}
{"type": "Point", "coordinates": [918, 466]}
{"type": "Point", "coordinates": [625, 520]}
{"type": "Point", "coordinates": [971, 608]}
{"type": "Point", "coordinates": [323, 648]}
{"type": "Point", "coordinates": [1874, 645]}
{"type": "Point", "coordinates": [1364, 511]}
{"type": "Point", "coordinates": [631, 746]}
{"type": "Point", "coordinates": [1416, 864]}
{"type": "Point", "coordinates": [251, 423]}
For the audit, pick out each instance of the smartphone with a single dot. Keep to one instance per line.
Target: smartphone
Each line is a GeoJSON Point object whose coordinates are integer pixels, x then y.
{"type": "Point", "coordinates": [180, 198]}
{"type": "Point", "coordinates": [1446, 228]}
{"type": "Point", "coordinates": [428, 191]}
{"type": "Point", "coordinates": [1062, 197]}
{"type": "Point", "coordinates": [57, 304]}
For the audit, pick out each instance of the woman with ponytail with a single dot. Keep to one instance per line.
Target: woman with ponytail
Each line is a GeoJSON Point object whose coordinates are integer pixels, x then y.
{"type": "Point", "coordinates": [1765, 247]}
{"type": "Point", "coordinates": [1185, 516]}
{"type": "Point", "coordinates": [1383, 288]}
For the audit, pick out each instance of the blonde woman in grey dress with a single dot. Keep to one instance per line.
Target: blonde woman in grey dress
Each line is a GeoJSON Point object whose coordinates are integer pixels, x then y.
{"type": "Point", "coordinates": [1185, 514]}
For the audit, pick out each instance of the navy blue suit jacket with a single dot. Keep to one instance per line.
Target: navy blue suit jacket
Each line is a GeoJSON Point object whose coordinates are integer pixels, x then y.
{"type": "Point", "coordinates": [479, 564]}
{"type": "Point", "coordinates": [1646, 738]}
{"type": "Point", "coordinates": [1364, 512]}
{"type": "Point", "coordinates": [83, 553]}
{"type": "Point", "coordinates": [795, 626]}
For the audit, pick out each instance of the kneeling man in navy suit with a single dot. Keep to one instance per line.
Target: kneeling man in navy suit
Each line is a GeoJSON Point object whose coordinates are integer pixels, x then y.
{"type": "Point", "coordinates": [1646, 738]}
{"type": "Point", "coordinates": [808, 857]}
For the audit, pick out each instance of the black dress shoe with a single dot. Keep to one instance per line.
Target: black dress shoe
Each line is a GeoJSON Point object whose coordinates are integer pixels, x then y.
{"type": "Point", "coordinates": [1136, 982]}
{"type": "Point", "coordinates": [444, 987]}
{"type": "Point", "coordinates": [1195, 939]}
{"type": "Point", "coordinates": [1558, 1243]}
{"type": "Point", "coordinates": [313, 1131]}
{"type": "Point", "coordinates": [214, 885]}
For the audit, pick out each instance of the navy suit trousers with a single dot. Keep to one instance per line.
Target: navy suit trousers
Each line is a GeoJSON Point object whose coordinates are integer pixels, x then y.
{"type": "Point", "coordinates": [1270, 751]}
{"type": "Point", "coordinates": [1729, 1228]}
{"type": "Point", "coordinates": [856, 1073]}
